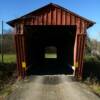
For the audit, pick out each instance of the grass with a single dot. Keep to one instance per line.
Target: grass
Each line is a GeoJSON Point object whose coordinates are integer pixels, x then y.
{"type": "Point", "coordinates": [11, 58]}
{"type": "Point", "coordinates": [51, 55]}
{"type": "Point", "coordinates": [96, 88]}
{"type": "Point", "coordinates": [7, 74]}
{"type": "Point", "coordinates": [8, 58]}
{"type": "Point", "coordinates": [94, 85]}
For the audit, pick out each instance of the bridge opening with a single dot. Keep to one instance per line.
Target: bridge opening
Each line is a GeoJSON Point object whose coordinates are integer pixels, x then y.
{"type": "Point", "coordinates": [50, 49]}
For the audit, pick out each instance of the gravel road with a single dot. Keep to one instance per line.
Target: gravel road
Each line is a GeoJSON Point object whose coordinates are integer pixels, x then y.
{"type": "Point", "coordinates": [51, 87]}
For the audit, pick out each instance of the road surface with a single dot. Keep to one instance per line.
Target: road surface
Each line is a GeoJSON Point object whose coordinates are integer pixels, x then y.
{"type": "Point", "coordinates": [51, 87]}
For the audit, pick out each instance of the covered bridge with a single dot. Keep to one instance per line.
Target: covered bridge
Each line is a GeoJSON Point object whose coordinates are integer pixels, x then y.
{"type": "Point", "coordinates": [49, 40]}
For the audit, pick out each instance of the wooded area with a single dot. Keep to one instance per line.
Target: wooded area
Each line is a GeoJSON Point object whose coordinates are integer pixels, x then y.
{"type": "Point", "coordinates": [92, 47]}
{"type": "Point", "coordinates": [8, 43]}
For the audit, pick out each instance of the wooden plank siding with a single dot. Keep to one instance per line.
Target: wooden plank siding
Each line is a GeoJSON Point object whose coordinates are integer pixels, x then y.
{"type": "Point", "coordinates": [80, 52]}
{"type": "Point", "coordinates": [55, 16]}
{"type": "Point", "coordinates": [21, 55]}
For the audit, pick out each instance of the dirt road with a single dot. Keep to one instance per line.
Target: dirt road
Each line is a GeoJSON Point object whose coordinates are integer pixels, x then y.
{"type": "Point", "coordinates": [51, 87]}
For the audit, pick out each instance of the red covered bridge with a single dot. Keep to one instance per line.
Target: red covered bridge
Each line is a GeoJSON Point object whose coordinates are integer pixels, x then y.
{"type": "Point", "coordinates": [49, 30]}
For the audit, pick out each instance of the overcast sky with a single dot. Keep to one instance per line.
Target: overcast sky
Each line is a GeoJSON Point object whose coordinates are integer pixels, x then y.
{"type": "Point", "coordinates": [11, 9]}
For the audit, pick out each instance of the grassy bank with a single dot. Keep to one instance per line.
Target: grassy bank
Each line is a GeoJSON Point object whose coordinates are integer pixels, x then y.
{"type": "Point", "coordinates": [8, 58]}
{"type": "Point", "coordinates": [8, 76]}
{"type": "Point", "coordinates": [91, 73]}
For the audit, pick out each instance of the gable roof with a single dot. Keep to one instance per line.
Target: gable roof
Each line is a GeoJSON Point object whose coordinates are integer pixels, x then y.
{"type": "Point", "coordinates": [11, 23]}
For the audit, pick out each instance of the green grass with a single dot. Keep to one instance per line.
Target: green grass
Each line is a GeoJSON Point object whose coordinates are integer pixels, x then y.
{"type": "Point", "coordinates": [95, 88]}
{"type": "Point", "coordinates": [9, 58]}
{"type": "Point", "coordinates": [51, 55]}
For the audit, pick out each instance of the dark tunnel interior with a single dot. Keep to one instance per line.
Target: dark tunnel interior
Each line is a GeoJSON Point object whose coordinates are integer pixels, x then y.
{"type": "Point", "coordinates": [50, 49]}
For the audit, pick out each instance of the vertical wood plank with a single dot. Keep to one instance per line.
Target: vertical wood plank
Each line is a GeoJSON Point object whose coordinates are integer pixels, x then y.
{"type": "Point", "coordinates": [72, 19]}
{"type": "Point", "coordinates": [35, 20]}
{"type": "Point", "coordinates": [54, 17]}
{"type": "Point", "coordinates": [63, 18]}
{"type": "Point", "coordinates": [68, 18]}
{"type": "Point", "coordinates": [49, 17]}
{"type": "Point", "coordinates": [23, 53]}
{"type": "Point", "coordinates": [17, 56]}
{"type": "Point", "coordinates": [78, 25]}
{"type": "Point", "coordinates": [82, 55]}
{"type": "Point", "coordinates": [59, 17]}
{"type": "Point", "coordinates": [44, 19]}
